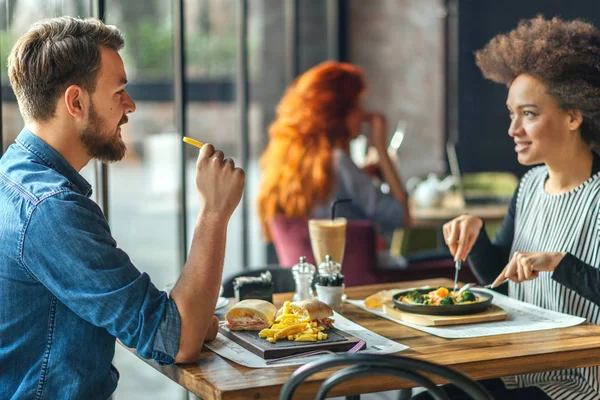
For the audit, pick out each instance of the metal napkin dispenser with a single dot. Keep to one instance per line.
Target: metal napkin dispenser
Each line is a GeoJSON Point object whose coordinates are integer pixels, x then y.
{"type": "Point", "coordinates": [251, 287]}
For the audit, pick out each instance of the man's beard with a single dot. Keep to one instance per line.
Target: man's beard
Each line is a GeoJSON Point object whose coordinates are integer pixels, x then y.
{"type": "Point", "coordinates": [99, 143]}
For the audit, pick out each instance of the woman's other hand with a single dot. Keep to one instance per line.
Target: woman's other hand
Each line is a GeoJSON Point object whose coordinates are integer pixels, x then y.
{"type": "Point", "coordinates": [377, 130]}
{"type": "Point", "coordinates": [525, 266]}
{"type": "Point", "coordinates": [372, 165]}
{"type": "Point", "coordinates": [373, 170]}
{"type": "Point", "coordinates": [389, 172]}
{"type": "Point", "coordinates": [460, 235]}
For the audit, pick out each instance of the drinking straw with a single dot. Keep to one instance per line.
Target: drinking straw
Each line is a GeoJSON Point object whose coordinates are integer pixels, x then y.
{"type": "Point", "coordinates": [193, 142]}
{"type": "Point", "coordinates": [335, 203]}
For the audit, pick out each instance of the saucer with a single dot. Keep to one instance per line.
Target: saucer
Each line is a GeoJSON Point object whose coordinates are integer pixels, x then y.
{"type": "Point", "coordinates": [222, 302]}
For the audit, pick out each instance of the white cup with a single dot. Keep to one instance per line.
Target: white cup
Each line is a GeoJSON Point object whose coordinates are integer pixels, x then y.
{"type": "Point", "coordinates": [331, 295]}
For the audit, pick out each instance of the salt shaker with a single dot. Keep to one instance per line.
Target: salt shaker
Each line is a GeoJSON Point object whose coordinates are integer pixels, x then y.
{"type": "Point", "coordinates": [303, 274]}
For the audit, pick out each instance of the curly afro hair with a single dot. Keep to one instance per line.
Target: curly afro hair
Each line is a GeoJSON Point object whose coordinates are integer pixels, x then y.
{"type": "Point", "coordinates": [563, 55]}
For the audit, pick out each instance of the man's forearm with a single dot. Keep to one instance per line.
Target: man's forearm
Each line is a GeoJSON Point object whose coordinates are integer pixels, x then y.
{"type": "Point", "coordinates": [197, 289]}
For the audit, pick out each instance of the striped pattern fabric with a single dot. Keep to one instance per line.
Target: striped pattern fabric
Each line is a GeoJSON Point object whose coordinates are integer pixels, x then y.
{"type": "Point", "coordinates": [547, 223]}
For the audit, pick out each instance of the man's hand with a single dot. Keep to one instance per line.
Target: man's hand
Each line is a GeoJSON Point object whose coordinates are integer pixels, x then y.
{"type": "Point", "coordinates": [525, 266]}
{"type": "Point", "coordinates": [211, 334]}
{"type": "Point", "coordinates": [460, 235]}
{"type": "Point", "coordinates": [219, 185]}
{"type": "Point", "coordinates": [218, 182]}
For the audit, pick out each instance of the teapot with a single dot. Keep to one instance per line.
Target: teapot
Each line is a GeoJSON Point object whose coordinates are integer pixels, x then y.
{"type": "Point", "coordinates": [429, 192]}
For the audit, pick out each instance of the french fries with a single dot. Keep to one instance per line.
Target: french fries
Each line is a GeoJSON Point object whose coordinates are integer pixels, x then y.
{"type": "Point", "coordinates": [293, 325]}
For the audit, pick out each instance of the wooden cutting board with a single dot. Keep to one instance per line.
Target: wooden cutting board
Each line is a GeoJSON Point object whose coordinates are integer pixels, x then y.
{"type": "Point", "coordinates": [493, 313]}
{"type": "Point", "coordinates": [336, 341]}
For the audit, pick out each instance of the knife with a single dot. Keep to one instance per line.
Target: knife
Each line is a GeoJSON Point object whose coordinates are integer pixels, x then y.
{"type": "Point", "coordinates": [457, 266]}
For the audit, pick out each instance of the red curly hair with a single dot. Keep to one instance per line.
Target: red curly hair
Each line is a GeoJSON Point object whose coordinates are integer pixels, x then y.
{"type": "Point", "coordinates": [311, 122]}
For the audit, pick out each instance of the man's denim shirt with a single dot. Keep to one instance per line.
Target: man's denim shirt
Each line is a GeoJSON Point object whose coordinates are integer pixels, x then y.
{"type": "Point", "coordinates": [66, 289]}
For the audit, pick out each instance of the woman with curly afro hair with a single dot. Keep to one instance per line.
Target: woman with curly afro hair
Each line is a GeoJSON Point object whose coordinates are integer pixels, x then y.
{"type": "Point", "coordinates": [307, 163]}
{"type": "Point", "coordinates": [548, 245]}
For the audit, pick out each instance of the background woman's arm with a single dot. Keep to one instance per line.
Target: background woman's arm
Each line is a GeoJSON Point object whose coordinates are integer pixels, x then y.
{"type": "Point", "coordinates": [389, 172]}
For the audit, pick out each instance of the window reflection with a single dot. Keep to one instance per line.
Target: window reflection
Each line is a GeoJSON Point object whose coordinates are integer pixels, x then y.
{"type": "Point", "coordinates": [145, 186]}
{"type": "Point", "coordinates": [15, 17]}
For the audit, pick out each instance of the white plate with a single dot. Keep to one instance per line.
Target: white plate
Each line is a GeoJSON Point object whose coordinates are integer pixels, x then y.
{"type": "Point", "coordinates": [222, 302]}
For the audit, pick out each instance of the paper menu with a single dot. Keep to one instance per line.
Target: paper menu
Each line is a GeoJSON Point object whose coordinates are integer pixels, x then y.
{"type": "Point", "coordinates": [376, 344]}
{"type": "Point", "coordinates": [522, 317]}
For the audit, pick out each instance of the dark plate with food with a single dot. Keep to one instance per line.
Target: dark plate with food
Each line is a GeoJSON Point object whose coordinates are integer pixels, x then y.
{"type": "Point", "coordinates": [295, 328]}
{"type": "Point", "coordinates": [442, 301]}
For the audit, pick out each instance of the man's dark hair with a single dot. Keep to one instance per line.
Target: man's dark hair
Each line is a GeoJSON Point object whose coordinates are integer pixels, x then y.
{"type": "Point", "coordinates": [563, 55]}
{"type": "Point", "coordinates": [54, 54]}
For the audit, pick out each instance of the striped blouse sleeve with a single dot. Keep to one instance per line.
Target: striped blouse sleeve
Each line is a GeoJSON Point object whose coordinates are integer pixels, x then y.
{"type": "Point", "coordinates": [487, 259]}
{"type": "Point", "coordinates": [578, 276]}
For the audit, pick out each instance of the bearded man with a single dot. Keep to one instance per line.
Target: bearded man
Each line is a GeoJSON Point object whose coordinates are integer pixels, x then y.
{"type": "Point", "coordinates": [67, 290]}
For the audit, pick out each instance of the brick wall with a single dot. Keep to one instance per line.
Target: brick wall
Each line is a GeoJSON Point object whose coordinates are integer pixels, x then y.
{"type": "Point", "coordinates": [400, 45]}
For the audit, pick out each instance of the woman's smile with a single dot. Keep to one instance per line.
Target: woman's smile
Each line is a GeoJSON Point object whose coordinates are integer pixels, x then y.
{"type": "Point", "coordinates": [522, 146]}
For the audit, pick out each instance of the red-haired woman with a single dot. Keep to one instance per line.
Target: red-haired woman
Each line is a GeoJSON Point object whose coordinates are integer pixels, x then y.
{"type": "Point", "coordinates": [307, 163]}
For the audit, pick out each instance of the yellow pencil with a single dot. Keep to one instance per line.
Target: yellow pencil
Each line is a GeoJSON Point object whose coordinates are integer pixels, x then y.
{"type": "Point", "coordinates": [193, 142]}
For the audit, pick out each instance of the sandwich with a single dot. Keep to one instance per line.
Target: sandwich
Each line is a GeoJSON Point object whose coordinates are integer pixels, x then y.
{"type": "Point", "coordinates": [251, 315]}
{"type": "Point", "coordinates": [315, 310]}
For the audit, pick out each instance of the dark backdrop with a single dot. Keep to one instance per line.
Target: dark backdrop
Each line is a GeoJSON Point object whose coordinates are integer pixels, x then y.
{"type": "Point", "coordinates": [484, 144]}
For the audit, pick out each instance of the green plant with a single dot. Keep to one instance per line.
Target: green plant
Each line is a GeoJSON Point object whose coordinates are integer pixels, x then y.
{"type": "Point", "coordinates": [7, 41]}
{"type": "Point", "coordinates": [211, 55]}
{"type": "Point", "coordinates": [149, 51]}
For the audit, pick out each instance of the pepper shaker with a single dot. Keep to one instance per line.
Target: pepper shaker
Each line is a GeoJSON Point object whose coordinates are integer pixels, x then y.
{"type": "Point", "coordinates": [303, 273]}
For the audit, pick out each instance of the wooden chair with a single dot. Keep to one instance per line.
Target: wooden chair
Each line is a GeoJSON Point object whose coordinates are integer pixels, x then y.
{"type": "Point", "coordinates": [369, 365]}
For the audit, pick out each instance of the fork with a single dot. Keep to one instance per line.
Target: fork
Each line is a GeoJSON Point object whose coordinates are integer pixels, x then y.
{"type": "Point", "coordinates": [457, 267]}
{"type": "Point", "coordinates": [353, 350]}
{"type": "Point", "coordinates": [489, 286]}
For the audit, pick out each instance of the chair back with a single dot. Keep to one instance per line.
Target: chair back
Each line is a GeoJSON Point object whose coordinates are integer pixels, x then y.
{"type": "Point", "coordinates": [363, 365]}
{"type": "Point", "coordinates": [291, 240]}
{"type": "Point", "coordinates": [283, 281]}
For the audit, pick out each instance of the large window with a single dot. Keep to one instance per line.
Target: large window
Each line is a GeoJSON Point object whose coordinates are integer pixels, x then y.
{"type": "Point", "coordinates": [145, 189]}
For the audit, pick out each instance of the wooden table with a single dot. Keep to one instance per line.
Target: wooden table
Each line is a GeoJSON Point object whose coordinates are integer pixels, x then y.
{"type": "Point", "coordinates": [215, 378]}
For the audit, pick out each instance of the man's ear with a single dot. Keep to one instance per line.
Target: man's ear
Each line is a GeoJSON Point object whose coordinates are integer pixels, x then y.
{"type": "Point", "coordinates": [76, 100]}
{"type": "Point", "coordinates": [575, 120]}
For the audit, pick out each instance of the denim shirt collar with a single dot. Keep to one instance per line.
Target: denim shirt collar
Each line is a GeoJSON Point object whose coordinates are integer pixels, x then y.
{"type": "Point", "coordinates": [50, 157]}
